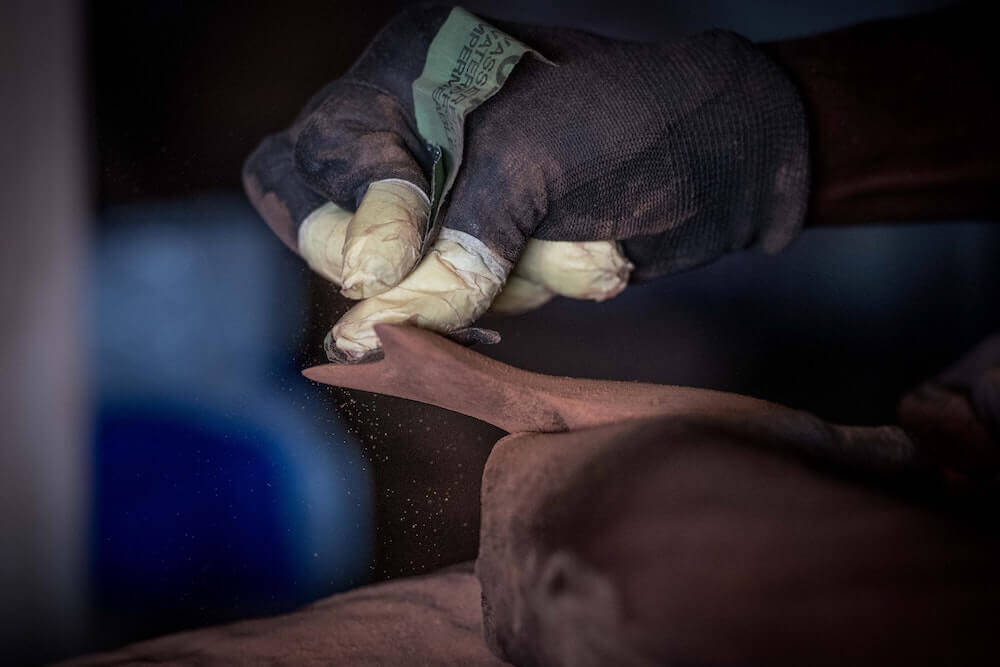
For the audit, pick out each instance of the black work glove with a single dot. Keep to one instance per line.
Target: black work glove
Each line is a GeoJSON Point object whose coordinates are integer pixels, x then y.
{"type": "Point", "coordinates": [673, 154]}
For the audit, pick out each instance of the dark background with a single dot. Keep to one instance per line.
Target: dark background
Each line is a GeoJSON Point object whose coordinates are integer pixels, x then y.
{"type": "Point", "coordinates": [178, 93]}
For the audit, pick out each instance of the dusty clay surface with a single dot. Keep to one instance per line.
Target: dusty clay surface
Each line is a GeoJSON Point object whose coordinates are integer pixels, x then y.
{"type": "Point", "coordinates": [433, 620]}
{"type": "Point", "coordinates": [645, 542]}
{"type": "Point", "coordinates": [636, 524]}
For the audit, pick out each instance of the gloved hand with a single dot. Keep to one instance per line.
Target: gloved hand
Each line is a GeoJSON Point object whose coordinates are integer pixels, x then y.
{"type": "Point", "coordinates": [681, 152]}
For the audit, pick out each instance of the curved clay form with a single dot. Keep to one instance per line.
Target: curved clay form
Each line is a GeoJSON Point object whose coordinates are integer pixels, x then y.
{"type": "Point", "coordinates": [423, 366]}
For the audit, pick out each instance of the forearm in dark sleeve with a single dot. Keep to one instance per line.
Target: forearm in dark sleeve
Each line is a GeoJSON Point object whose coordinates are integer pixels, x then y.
{"type": "Point", "coordinates": [904, 116]}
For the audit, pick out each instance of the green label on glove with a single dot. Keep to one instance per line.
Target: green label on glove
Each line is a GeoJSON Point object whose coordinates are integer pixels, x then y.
{"type": "Point", "coordinates": [467, 63]}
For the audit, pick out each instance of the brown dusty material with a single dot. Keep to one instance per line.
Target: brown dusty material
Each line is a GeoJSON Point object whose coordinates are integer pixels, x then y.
{"type": "Point", "coordinates": [423, 366]}
{"type": "Point", "coordinates": [680, 540]}
{"type": "Point", "coordinates": [718, 532]}
{"type": "Point", "coordinates": [703, 515]}
{"type": "Point", "coordinates": [432, 620]}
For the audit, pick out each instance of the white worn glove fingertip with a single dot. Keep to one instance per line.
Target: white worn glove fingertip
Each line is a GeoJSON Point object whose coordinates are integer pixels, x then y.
{"type": "Point", "coordinates": [384, 237]}
{"type": "Point", "coordinates": [520, 295]}
{"type": "Point", "coordinates": [594, 270]}
{"type": "Point", "coordinates": [321, 240]}
{"type": "Point", "coordinates": [450, 288]}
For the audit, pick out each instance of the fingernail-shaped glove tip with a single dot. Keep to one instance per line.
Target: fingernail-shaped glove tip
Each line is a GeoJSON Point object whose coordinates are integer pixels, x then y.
{"type": "Point", "coordinates": [384, 238]}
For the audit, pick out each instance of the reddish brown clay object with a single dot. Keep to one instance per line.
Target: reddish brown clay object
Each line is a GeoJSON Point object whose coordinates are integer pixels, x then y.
{"type": "Point", "coordinates": [640, 524]}
{"type": "Point", "coordinates": [634, 524]}
{"type": "Point", "coordinates": [423, 366]}
{"type": "Point", "coordinates": [691, 541]}
{"type": "Point", "coordinates": [432, 620]}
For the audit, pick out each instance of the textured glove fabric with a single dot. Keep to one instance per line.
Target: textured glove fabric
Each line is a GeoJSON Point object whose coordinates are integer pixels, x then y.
{"type": "Point", "coordinates": [684, 151]}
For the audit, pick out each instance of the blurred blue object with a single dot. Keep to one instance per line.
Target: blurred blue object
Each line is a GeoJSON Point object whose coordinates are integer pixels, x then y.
{"type": "Point", "coordinates": [224, 486]}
